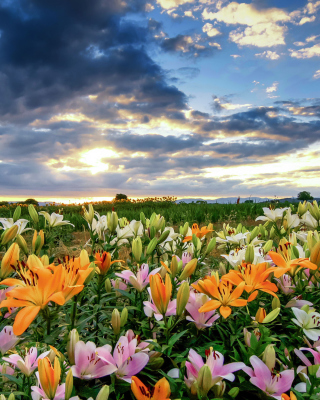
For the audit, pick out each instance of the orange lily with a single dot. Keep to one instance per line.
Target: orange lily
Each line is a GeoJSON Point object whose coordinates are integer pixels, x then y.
{"type": "Point", "coordinates": [255, 278]}
{"type": "Point", "coordinates": [38, 289]}
{"type": "Point", "coordinates": [282, 258]}
{"type": "Point", "coordinates": [10, 259]}
{"type": "Point", "coordinates": [198, 232]}
{"type": "Point", "coordinates": [160, 292]}
{"type": "Point", "coordinates": [49, 376]}
{"type": "Point", "coordinates": [161, 390]}
{"type": "Point", "coordinates": [292, 396]}
{"type": "Point", "coordinates": [260, 315]}
{"type": "Point", "coordinates": [104, 262]}
{"type": "Point", "coordinates": [223, 295]}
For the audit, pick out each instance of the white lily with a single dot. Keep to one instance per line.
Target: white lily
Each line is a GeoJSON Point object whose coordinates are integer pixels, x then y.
{"type": "Point", "coordinates": [136, 227]}
{"type": "Point", "coordinates": [309, 220]}
{"type": "Point", "coordinates": [292, 220]}
{"type": "Point", "coordinates": [54, 219]}
{"type": "Point", "coordinates": [308, 321]}
{"type": "Point", "coordinates": [271, 215]}
{"type": "Point", "coordinates": [21, 224]}
{"type": "Point", "coordinates": [302, 236]}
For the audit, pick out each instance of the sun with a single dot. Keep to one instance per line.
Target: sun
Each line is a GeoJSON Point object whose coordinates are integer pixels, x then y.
{"type": "Point", "coordinates": [95, 158]}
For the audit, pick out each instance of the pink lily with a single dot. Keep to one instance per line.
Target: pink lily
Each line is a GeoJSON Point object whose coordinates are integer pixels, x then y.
{"type": "Point", "coordinates": [204, 319]}
{"type": "Point", "coordinates": [285, 284]}
{"type": "Point", "coordinates": [125, 361]}
{"type": "Point", "coordinates": [88, 365]}
{"type": "Point", "coordinates": [150, 309]}
{"type": "Point", "coordinates": [3, 296]}
{"type": "Point", "coordinates": [142, 346]}
{"type": "Point", "coordinates": [38, 393]}
{"type": "Point", "coordinates": [118, 284]}
{"type": "Point", "coordinates": [7, 339]}
{"type": "Point", "coordinates": [186, 257]}
{"type": "Point", "coordinates": [29, 363]}
{"type": "Point", "coordinates": [215, 363]}
{"type": "Point", "coordinates": [306, 361]}
{"type": "Point", "coordinates": [141, 279]}
{"type": "Point", "coordinates": [270, 383]}
{"type": "Point", "coordinates": [5, 369]}
{"type": "Point", "coordinates": [298, 302]}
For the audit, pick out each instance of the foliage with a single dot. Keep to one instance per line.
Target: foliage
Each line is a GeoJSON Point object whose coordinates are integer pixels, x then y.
{"type": "Point", "coordinates": [304, 196]}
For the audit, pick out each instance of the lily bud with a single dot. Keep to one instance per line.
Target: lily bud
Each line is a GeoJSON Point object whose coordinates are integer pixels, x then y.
{"type": "Point", "coordinates": [313, 369]}
{"type": "Point", "coordinates": [275, 303]}
{"type": "Point", "coordinates": [293, 238]}
{"type": "Point", "coordinates": [239, 228]}
{"type": "Point", "coordinates": [271, 316]}
{"type": "Point", "coordinates": [254, 233]}
{"type": "Point", "coordinates": [69, 385]}
{"type": "Point", "coordinates": [16, 214]}
{"type": "Point", "coordinates": [9, 234]}
{"type": "Point", "coordinates": [184, 229]}
{"type": "Point", "coordinates": [112, 221]}
{"type": "Point", "coordinates": [260, 315]}
{"type": "Point", "coordinates": [204, 380]}
{"type": "Point", "coordinates": [174, 267]}
{"type": "Point", "coordinates": [310, 240]}
{"type": "Point", "coordinates": [163, 236]}
{"type": "Point", "coordinates": [211, 245]}
{"type": "Point", "coordinates": [219, 389]}
{"type": "Point", "coordinates": [247, 337]}
{"type": "Point", "coordinates": [73, 339]}
{"type": "Point", "coordinates": [11, 397]}
{"type": "Point", "coordinates": [124, 317]}
{"type": "Point", "coordinates": [22, 244]}
{"type": "Point", "coordinates": [315, 255]}
{"type": "Point", "coordinates": [269, 357]}
{"type": "Point", "coordinates": [302, 208]}
{"type": "Point", "coordinates": [37, 242]}
{"type": "Point", "coordinates": [210, 228]}
{"type": "Point", "coordinates": [104, 393]}
{"type": "Point", "coordinates": [45, 260]}
{"type": "Point", "coordinates": [268, 246]}
{"type": "Point", "coordinates": [11, 257]}
{"type": "Point", "coordinates": [33, 213]}
{"type": "Point", "coordinates": [116, 321]}
{"type": "Point", "coordinates": [272, 233]}
{"type": "Point", "coordinates": [88, 215]}
{"type": "Point", "coordinates": [182, 298]}
{"type": "Point", "coordinates": [249, 254]}
{"type": "Point", "coordinates": [156, 363]}
{"type": "Point", "coordinates": [108, 285]}
{"type": "Point", "coordinates": [314, 210]}
{"type": "Point", "coordinates": [222, 269]}
{"type": "Point", "coordinates": [152, 232]}
{"type": "Point", "coordinates": [151, 246]}
{"type": "Point", "coordinates": [143, 218]}
{"type": "Point", "coordinates": [234, 392]}
{"type": "Point", "coordinates": [34, 262]}
{"type": "Point", "coordinates": [137, 248]}
{"type": "Point", "coordinates": [188, 269]}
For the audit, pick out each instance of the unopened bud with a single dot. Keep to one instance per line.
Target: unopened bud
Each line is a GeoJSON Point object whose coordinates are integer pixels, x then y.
{"type": "Point", "coordinates": [254, 233]}
{"type": "Point", "coordinates": [151, 246]}
{"type": "Point", "coordinates": [115, 321]}
{"type": "Point", "coordinates": [272, 233]}
{"type": "Point", "coordinates": [204, 380]}
{"type": "Point", "coordinates": [10, 258]}
{"type": "Point", "coordinates": [271, 316]}
{"type": "Point", "coordinates": [184, 229]}
{"type": "Point", "coordinates": [22, 244]}
{"type": "Point", "coordinates": [156, 363]}
{"type": "Point", "coordinates": [275, 303]}
{"type": "Point", "coordinates": [269, 357]}
{"type": "Point", "coordinates": [211, 245]}
{"type": "Point", "coordinates": [9, 234]}
{"type": "Point", "coordinates": [73, 339]}
{"type": "Point", "coordinates": [112, 221]}
{"type": "Point", "coordinates": [260, 315]}
{"type": "Point", "coordinates": [137, 248]}
{"type": "Point", "coordinates": [124, 317]}
{"type": "Point", "coordinates": [234, 392]}
{"type": "Point", "coordinates": [108, 285]}
{"type": "Point", "coordinates": [310, 240]}
{"type": "Point", "coordinates": [69, 385]}
{"type": "Point", "coordinates": [163, 236]}
{"type": "Point", "coordinates": [16, 214]}
{"type": "Point", "coordinates": [174, 267]}
{"type": "Point", "coordinates": [268, 246]}
{"type": "Point", "coordinates": [104, 393]}
{"type": "Point", "coordinates": [34, 262]}
{"type": "Point", "coordinates": [33, 213]}
{"type": "Point", "coordinates": [45, 260]}
{"type": "Point", "coordinates": [313, 369]}
{"type": "Point", "coordinates": [182, 298]}
{"type": "Point", "coordinates": [239, 228]}
{"type": "Point", "coordinates": [249, 254]}
{"type": "Point", "coordinates": [219, 389]}
{"type": "Point", "coordinates": [143, 218]}
{"type": "Point", "coordinates": [188, 269]}
{"type": "Point", "coordinates": [222, 269]}
{"type": "Point", "coordinates": [315, 255]}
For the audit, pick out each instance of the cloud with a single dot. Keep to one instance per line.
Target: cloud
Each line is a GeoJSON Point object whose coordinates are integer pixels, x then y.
{"type": "Point", "coordinates": [187, 45]}
{"type": "Point", "coordinates": [223, 103]}
{"type": "Point", "coordinates": [272, 55]}
{"type": "Point", "coordinates": [210, 30]}
{"type": "Point", "coordinates": [307, 52]}
{"type": "Point", "coordinates": [299, 43]}
{"type": "Point", "coordinates": [312, 38]}
{"type": "Point", "coordinates": [235, 55]}
{"type": "Point", "coordinates": [316, 74]}
{"type": "Point", "coordinates": [304, 20]}
{"type": "Point", "coordinates": [260, 35]}
{"type": "Point", "coordinates": [272, 88]}
{"type": "Point", "coordinates": [167, 4]}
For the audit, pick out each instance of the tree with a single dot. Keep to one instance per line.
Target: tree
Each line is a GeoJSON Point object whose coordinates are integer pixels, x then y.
{"type": "Point", "coordinates": [305, 196]}
{"type": "Point", "coordinates": [32, 201]}
{"type": "Point", "coordinates": [121, 196]}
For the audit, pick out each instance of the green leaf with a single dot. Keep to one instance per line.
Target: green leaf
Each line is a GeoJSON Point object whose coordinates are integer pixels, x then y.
{"type": "Point", "coordinates": [176, 337]}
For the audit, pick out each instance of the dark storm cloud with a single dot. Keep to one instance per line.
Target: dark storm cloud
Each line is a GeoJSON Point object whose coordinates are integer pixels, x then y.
{"type": "Point", "coordinates": [186, 45]}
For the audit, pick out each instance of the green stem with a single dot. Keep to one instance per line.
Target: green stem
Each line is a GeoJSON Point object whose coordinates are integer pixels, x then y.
{"type": "Point", "coordinates": [74, 311]}
{"type": "Point", "coordinates": [167, 330]}
{"type": "Point", "coordinates": [99, 286]}
{"type": "Point", "coordinates": [48, 323]}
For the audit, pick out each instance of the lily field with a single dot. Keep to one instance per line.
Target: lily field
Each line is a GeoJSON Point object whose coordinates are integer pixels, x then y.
{"type": "Point", "coordinates": [157, 300]}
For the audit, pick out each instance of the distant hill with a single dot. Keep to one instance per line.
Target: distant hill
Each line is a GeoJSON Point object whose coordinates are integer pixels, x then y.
{"type": "Point", "coordinates": [233, 200]}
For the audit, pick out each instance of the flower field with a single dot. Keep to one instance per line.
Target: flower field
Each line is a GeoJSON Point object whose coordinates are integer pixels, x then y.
{"type": "Point", "coordinates": [148, 311]}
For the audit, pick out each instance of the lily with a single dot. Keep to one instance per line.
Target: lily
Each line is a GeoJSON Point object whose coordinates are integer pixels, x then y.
{"type": "Point", "coordinates": [125, 361]}
{"type": "Point", "coordinates": [292, 221]}
{"type": "Point", "coordinates": [20, 223]}
{"type": "Point", "coordinates": [141, 279]}
{"type": "Point", "coordinates": [161, 292]}
{"type": "Point", "coordinates": [54, 219]}
{"type": "Point", "coordinates": [151, 309]}
{"type": "Point", "coordinates": [27, 364]}
{"type": "Point", "coordinates": [309, 220]}
{"type": "Point", "coordinates": [103, 261]}
{"type": "Point", "coordinates": [201, 320]}
{"type": "Point", "coordinates": [308, 321]}
{"type": "Point", "coordinates": [223, 295]}
{"type": "Point", "coordinates": [285, 284]}
{"type": "Point", "coordinates": [200, 233]}
{"type": "Point", "coordinates": [161, 390]}
{"type": "Point", "coordinates": [272, 215]}
{"type": "Point", "coordinates": [7, 339]}
{"type": "Point", "coordinates": [270, 383]}
{"type": "Point", "coordinates": [88, 364]}
{"type": "Point", "coordinates": [49, 377]}
{"type": "Point", "coordinates": [214, 361]}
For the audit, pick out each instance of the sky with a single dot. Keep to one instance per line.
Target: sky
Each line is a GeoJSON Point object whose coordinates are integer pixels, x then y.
{"type": "Point", "coordinates": [187, 98]}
